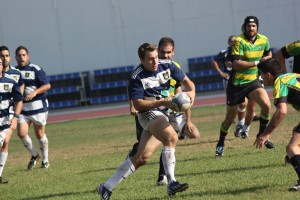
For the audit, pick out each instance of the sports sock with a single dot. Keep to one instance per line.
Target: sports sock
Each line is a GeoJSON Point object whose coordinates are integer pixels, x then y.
{"type": "Point", "coordinates": [124, 170]}
{"type": "Point", "coordinates": [223, 134]}
{"type": "Point", "coordinates": [295, 162]}
{"type": "Point", "coordinates": [3, 158]}
{"type": "Point", "coordinates": [262, 125]}
{"type": "Point", "coordinates": [27, 142]}
{"type": "Point", "coordinates": [169, 160]}
{"type": "Point", "coordinates": [241, 122]}
{"type": "Point", "coordinates": [161, 171]}
{"type": "Point", "coordinates": [43, 144]}
{"type": "Point", "coordinates": [245, 128]}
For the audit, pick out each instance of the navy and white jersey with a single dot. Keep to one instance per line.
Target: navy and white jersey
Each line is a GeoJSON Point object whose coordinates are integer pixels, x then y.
{"type": "Point", "coordinates": [34, 77]}
{"type": "Point", "coordinates": [9, 89]}
{"type": "Point", "coordinates": [222, 57]}
{"type": "Point", "coordinates": [150, 85]}
{"type": "Point", "coordinates": [15, 74]}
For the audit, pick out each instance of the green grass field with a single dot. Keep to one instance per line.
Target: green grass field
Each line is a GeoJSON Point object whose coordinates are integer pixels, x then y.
{"type": "Point", "coordinates": [85, 153]}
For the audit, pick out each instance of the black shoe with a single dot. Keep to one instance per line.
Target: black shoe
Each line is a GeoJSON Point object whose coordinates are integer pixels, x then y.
{"type": "Point", "coordinates": [32, 161]}
{"type": "Point", "coordinates": [296, 187]}
{"type": "Point", "coordinates": [103, 192]}
{"type": "Point", "coordinates": [175, 187]}
{"type": "Point", "coordinates": [3, 180]}
{"type": "Point", "coordinates": [181, 136]}
{"type": "Point", "coordinates": [244, 134]}
{"type": "Point", "coordinates": [269, 145]}
{"type": "Point", "coordinates": [220, 150]}
{"type": "Point", "coordinates": [238, 130]}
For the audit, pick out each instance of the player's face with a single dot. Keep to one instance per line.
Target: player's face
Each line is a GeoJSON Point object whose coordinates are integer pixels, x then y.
{"type": "Point", "coordinates": [267, 78]}
{"type": "Point", "coordinates": [166, 51]}
{"type": "Point", "coordinates": [5, 56]}
{"type": "Point", "coordinates": [251, 30]}
{"type": "Point", "coordinates": [150, 61]}
{"type": "Point", "coordinates": [22, 58]}
{"type": "Point", "coordinates": [1, 66]}
{"type": "Point", "coordinates": [231, 41]}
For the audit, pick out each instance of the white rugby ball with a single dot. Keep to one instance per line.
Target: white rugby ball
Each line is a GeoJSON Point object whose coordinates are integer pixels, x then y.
{"type": "Point", "coordinates": [182, 101]}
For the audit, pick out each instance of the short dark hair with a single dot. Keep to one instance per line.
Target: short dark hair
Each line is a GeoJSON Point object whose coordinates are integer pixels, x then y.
{"type": "Point", "coordinates": [250, 19]}
{"type": "Point", "coordinates": [166, 40]}
{"type": "Point", "coordinates": [20, 48]}
{"type": "Point", "coordinates": [144, 48]}
{"type": "Point", "coordinates": [4, 48]}
{"type": "Point", "coordinates": [272, 66]}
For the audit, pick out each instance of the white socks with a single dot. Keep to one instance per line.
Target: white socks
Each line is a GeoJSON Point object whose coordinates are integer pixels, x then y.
{"type": "Point", "coordinates": [241, 122]}
{"type": "Point", "coordinates": [43, 144]}
{"type": "Point", "coordinates": [246, 128]}
{"type": "Point", "coordinates": [27, 142]}
{"type": "Point", "coordinates": [3, 158]}
{"type": "Point", "coordinates": [169, 160]}
{"type": "Point", "coordinates": [124, 170]}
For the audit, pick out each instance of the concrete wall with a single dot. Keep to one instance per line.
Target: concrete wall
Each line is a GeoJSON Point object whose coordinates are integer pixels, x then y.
{"type": "Point", "coordinates": [82, 35]}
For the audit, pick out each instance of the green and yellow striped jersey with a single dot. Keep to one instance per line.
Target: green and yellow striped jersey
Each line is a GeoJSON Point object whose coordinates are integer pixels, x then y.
{"type": "Point", "coordinates": [293, 49]}
{"type": "Point", "coordinates": [248, 52]}
{"type": "Point", "coordinates": [287, 90]}
{"type": "Point", "coordinates": [173, 83]}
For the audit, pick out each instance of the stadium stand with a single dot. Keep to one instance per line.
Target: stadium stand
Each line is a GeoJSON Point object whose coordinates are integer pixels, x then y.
{"type": "Point", "coordinates": [203, 75]}
{"type": "Point", "coordinates": [110, 85]}
{"type": "Point", "coordinates": [68, 90]}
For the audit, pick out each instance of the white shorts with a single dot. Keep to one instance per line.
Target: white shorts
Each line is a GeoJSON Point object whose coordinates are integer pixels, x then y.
{"type": "Point", "coordinates": [2, 137]}
{"type": "Point", "coordinates": [177, 120]}
{"type": "Point", "coordinates": [146, 117]}
{"type": "Point", "coordinates": [40, 118]}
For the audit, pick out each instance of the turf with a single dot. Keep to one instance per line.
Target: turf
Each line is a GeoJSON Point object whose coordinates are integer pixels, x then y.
{"type": "Point", "coordinates": [85, 153]}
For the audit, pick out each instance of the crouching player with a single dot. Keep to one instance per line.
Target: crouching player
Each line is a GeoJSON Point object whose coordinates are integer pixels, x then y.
{"type": "Point", "coordinates": [286, 90]}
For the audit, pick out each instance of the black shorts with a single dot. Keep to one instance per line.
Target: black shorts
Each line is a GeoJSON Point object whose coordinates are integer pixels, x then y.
{"type": "Point", "coordinates": [236, 94]}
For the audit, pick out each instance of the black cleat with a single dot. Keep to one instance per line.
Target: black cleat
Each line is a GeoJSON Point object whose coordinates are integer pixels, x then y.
{"type": "Point", "coordinates": [269, 145]}
{"type": "Point", "coordinates": [175, 187]}
{"type": "Point", "coordinates": [32, 161]}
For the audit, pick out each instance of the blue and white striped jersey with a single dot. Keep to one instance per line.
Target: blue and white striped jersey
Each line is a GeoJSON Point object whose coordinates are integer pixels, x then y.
{"type": "Point", "coordinates": [15, 74]}
{"type": "Point", "coordinates": [145, 84]}
{"type": "Point", "coordinates": [34, 77]}
{"type": "Point", "coordinates": [9, 89]}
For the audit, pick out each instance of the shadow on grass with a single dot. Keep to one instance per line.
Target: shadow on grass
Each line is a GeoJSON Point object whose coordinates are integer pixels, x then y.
{"type": "Point", "coordinates": [187, 195]}
{"type": "Point", "coordinates": [235, 169]}
{"type": "Point", "coordinates": [65, 194]}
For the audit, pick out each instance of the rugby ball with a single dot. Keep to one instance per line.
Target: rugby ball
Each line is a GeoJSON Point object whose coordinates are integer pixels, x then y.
{"type": "Point", "coordinates": [181, 101]}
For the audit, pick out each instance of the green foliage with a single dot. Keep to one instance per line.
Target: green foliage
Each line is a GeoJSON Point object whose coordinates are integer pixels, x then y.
{"type": "Point", "coordinates": [85, 153]}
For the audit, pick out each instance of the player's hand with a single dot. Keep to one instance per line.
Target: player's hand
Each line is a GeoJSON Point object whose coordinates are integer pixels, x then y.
{"type": "Point", "coordinates": [260, 141]}
{"type": "Point", "coordinates": [167, 102]}
{"type": "Point", "coordinates": [30, 96]}
{"type": "Point", "coordinates": [192, 96]}
{"type": "Point", "coordinates": [133, 111]}
{"type": "Point", "coordinates": [189, 127]}
{"type": "Point", "coordinates": [224, 75]}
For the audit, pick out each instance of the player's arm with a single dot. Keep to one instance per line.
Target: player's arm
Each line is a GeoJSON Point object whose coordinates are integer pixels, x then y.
{"type": "Point", "coordinates": [142, 104]}
{"type": "Point", "coordinates": [277, 117]}
{"type": "Point", "coordinates": [17, 110]}
{"type": "Point", "coordinates": [281, 60]}
{"type": "Point", "coordinates": [190, 88]}
{"type": "Point", "coordinates": [267, 55]}
{"type": "Point", "coordinates": [39, 90]}
{"type": "Point", "coordinates": [239, 64]}
{"type": "Point", "coordinates": [215, 65]}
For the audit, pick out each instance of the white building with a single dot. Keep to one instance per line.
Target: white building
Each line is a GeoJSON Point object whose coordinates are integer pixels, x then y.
{"type": "Point", "coordinates": [82, 35]}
